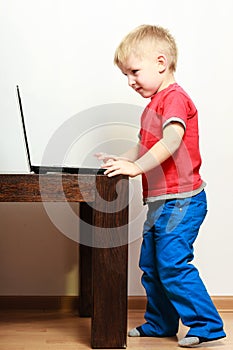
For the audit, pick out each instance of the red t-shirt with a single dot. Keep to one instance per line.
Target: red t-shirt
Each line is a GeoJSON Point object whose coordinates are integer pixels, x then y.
{"type": "Point", "coordinates": [180, 172]}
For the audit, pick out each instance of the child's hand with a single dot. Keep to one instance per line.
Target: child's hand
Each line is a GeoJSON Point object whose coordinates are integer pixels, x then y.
{"type": "Point", "coordinates": [105, 157]}
{"type": "Point", "coordinates": [123, 167]}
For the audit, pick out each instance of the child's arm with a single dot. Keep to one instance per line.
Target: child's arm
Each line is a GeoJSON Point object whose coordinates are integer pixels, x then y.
{"type": "Point", "coordinates": [162, 150]}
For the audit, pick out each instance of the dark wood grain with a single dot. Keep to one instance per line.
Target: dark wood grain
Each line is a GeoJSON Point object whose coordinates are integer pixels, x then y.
{"type": "Point", "coordinates": [49, 187]}
{"type": "Point", "coordinates": [109, 318]}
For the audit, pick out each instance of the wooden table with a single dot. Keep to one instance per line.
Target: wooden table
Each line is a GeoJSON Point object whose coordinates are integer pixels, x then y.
{"type": "Point", "coordinates": [103, 271]}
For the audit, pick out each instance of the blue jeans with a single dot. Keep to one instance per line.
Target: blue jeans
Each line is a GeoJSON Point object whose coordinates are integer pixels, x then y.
{"type": "Point", "coordinates": [173, 285]}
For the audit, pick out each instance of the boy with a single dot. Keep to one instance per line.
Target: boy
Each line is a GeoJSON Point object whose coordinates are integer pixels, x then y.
{"type": "Point", "coordinates": [168, 158]}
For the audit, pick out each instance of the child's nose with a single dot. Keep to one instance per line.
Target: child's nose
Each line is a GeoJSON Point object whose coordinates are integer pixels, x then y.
{"type": "Point", "coordinates": [131, 81]}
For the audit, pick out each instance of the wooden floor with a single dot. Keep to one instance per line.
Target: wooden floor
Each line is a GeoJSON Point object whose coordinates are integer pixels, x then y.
{"type": "Point", "coordinates": [40, 330]}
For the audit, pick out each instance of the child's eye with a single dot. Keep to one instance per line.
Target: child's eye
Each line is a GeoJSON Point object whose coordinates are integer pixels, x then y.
{"type": "Point", "coordinates": [135, 71]}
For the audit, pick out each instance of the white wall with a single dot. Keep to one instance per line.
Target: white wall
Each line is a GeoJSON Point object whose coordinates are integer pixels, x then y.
{"type": "Point", "coordinates": [60, 53]}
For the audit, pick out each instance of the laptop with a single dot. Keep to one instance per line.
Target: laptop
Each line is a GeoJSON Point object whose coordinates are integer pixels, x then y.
{"type": "Point", "coordinates": [41, 169]}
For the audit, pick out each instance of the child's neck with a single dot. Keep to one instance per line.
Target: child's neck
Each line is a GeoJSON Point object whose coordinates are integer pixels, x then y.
{"type": "Point", "coordinates": [169, 79]}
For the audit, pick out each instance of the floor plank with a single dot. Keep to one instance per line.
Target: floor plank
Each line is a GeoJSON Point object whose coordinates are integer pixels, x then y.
{"type": "Point", "coordinates": [41, 330]}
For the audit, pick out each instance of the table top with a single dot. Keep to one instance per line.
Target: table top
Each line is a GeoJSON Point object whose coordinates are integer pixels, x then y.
{"type": "Point", "coordinates": [54, 187]}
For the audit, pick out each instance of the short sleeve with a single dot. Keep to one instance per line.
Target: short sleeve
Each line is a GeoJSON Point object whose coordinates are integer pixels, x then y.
{"type": "Point", "coordinates": [176, 107]}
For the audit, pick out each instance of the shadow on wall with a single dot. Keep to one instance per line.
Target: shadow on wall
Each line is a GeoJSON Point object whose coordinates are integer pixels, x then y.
{"type": "Point", "coordinates": [35, 258]}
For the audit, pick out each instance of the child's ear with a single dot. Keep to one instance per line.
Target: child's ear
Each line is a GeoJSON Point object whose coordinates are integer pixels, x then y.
{"type": "Point", "coordinates": [161, 63]}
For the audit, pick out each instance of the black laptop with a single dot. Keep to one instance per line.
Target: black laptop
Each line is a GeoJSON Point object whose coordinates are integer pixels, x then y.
{"type": "Point", "coordinates": [43, 169]}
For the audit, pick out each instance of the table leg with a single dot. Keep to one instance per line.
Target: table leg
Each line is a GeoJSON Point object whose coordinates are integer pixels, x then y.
{"type": "Point", "coordinates": [85, 262]}
{"type": "Point", "coordinates": [110, 263]}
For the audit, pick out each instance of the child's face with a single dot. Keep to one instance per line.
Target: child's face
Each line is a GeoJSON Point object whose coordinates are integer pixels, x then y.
{"type": "Point", "coordinates": [144, 74]}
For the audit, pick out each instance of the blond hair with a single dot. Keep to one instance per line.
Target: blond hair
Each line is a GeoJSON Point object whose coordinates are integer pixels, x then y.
{"type": "Point", "coordinates": [145, 39]}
